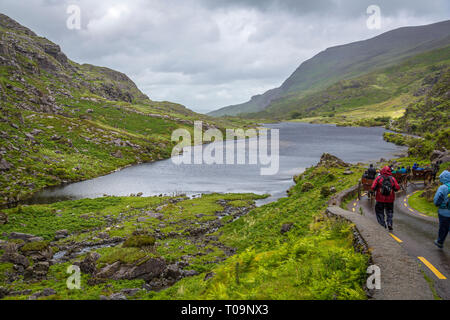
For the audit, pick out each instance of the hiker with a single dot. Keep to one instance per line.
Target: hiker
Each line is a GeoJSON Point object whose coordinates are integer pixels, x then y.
{"type": "Point", "coordinates": [416, 167]}
{"type": "Point", "coordinates": [442, 202]}
{"type": "Point", "coordinates": [371, 172]}
{"type": "Point", "coordinates": [402, 170]}
{"type": "Point", "coordinates": [385, 186]}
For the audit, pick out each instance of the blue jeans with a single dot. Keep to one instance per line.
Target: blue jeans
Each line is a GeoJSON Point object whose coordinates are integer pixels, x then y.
{"type": "Point", "coordinates": [444, 226]}
{"type": "Point", "coordinates": [380, 208]}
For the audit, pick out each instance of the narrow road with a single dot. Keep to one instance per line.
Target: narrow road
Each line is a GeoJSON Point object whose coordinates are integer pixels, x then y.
{"type": "Point", "coordinates": [416, 233]}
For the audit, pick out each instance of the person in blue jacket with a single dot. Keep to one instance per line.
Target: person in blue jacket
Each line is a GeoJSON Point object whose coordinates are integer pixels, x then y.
{"type": "Point", "coordinates": [442, 202]}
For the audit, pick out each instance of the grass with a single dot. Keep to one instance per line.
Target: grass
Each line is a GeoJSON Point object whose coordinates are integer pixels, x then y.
{"type": "Point", "coordinates": [314, 260]}
{"type": "Point", "coordinates": [422, 205]}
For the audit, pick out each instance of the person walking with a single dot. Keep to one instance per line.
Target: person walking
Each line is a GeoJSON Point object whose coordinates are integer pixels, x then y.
{"type": "Point", "coordinates": [442, 202]}
{"type": "Point", "coordinates": [385, 186]}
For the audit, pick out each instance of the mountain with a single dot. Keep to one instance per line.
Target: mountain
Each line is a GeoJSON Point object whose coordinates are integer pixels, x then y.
{"type": "Point", "coordinates": [344, 62]}
{"type": "Point", "coordinates": [61, 121]}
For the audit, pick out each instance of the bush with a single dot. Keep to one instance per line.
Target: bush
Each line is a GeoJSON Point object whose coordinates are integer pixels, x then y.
{"type": "Point", "coordinates": [307, 186]}
{"type": "Point", "coordinates": [325, 191]}
{"type": "Point", "coordinates": [34, 246]}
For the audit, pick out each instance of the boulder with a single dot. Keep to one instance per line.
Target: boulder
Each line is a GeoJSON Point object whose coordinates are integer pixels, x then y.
{"type": "Point", "coordinates": [88, 265]}
{"type": "Point", "coordinates": [118, 154]}
{"type": "Point", "coordinates": [148, 270]}
{"type": "Point", "coordinates": [44, 293]}
{"type": "Point", "coordinates": [286, 227]}
{"type": "Point", "coordinates": [328, 160]}
{"type": "Point", "coordinates": [108, 271]}
{"type": "Point", "coordinates": [20, 236]}
{"type": "Point", "coordinates": [61, 234]}
{"type": "Point", "coordinates": [5, 165]}
{"type": "Point", "coordinates": [173, 272]}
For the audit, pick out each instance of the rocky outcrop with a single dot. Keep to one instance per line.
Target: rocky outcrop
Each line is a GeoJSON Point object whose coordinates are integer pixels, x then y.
{"type": "Point", "coordinates": [329, 161]}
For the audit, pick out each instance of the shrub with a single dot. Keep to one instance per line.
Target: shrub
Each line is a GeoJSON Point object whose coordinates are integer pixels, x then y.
{"type": "Point", "coordinates": [34, 246]}
{"type": "Point", "coordinates": [325, 191]}
{"type": "Point", "coordinates": [307, 186]}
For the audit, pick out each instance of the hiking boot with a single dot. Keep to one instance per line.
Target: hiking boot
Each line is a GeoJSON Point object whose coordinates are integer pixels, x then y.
{"type": "Point", "coordinates": [390, 228]}
{"type": "Point", "coordinates": [440, 246]}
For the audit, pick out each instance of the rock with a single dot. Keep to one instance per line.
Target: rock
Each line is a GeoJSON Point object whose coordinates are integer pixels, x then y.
{"type": "Point", "coordinates": [44, 293]}
{"type": "Point", "coordinates": [103, 235]}
{"type": "Point", "coordinates": [333, 190]}
{"type": "Point", "coordinates": [117, 296]}
{"type": "Point", "coordinates": [209, 276]}
{"type": "Point", "coordinates": [286, 227]}
{"type": "Point", "coordinates": [189, 273]}
{"type": "Point", "coordinates": [3, 292]}
{"type": "Point", "coordinates": [148, 270]}
{"type": "Point", "coordinates": [5, 165]}
{"type": "Point", "coordinates": [61, 234]}
{"type": "Point", "coordinates": [3, 218]}
{"type": "Point", "coordinates": [156, 215]}
{"type": "Point", "coordinates": [130, 292]}
{"type": "Point", "coordinates": [328, 160]}
{"type": "Point", "coordinates": [118, 154]}
{"type": "Point", "coordinates": [90, 111]}
{"type": "Point", "coordinates": [15, 258]}
{"type": "Point", "coordinates": [440, 156]}
{"type": "Point", "coordinates": [173, 272]}
{"type": "Point", "coordinates": [88, 265]}
{"type": "Point", "coordinates": [141, 219]}
{"type": "Point", "coordinates": [20, 236]}
{"type": "Point", "coordinates": [35, 239]}
{"type": "Point", "coordinates": [348, 172]}
{"type": "Point", "coordinates": [108, 271]}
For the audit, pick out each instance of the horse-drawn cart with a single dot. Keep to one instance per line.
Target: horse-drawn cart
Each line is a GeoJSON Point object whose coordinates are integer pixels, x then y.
{"type": "Point", "coordinates": [424, 175]}
{"type": "Point", "coordinates": [365, 185]}
{"type": "Point", "coordinates": [402, 180]}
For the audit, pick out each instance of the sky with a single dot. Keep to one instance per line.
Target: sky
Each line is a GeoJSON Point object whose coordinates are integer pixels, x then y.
{"type": "Point", "coordinates": [207, 54]}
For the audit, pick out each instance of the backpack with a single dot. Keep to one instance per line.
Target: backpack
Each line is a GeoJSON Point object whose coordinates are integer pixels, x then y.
{"type": "Point", "coordinates": [448, 191]}
{"type": "Point", "coordinates": [386, 186]}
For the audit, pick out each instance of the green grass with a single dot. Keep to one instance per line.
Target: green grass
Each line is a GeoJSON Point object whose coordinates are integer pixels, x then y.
{"type": "Point", "coordinates": [422, 205]}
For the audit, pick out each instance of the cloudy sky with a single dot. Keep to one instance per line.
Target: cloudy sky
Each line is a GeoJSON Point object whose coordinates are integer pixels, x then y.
{"type": "Point", "coordinates": [208, 54]}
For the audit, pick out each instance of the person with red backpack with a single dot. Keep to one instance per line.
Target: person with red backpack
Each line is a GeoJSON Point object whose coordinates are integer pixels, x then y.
{"type": "Point", "coordinates": [385, 186]}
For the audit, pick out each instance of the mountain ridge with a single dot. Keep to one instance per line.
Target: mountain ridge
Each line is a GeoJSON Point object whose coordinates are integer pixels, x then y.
{"type": "Point", "coordinates": [338, 62]}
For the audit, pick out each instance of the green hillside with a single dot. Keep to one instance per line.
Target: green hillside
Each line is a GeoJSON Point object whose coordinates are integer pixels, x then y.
{"type": "Point", "coordinates": [343, 63]}
{"type": "Point", "coordinates": [61, 121]}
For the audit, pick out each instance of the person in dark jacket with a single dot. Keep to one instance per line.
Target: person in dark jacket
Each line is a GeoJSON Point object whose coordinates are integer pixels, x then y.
{"type": "Point", "coordinates": [385, 203]}
{"type": "Point", "coordinates": [371, 172]}
{"type": "Point", "coordinates": [442, 202]}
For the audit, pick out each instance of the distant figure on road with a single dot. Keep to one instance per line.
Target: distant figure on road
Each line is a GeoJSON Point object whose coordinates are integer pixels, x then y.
{"type": "Point", "coordinates": [385, 186]}
{"type": "Point", "coordinates": [371, 172]}
{"type": "Point", "coordinates": [442, 202]}
{"type": "Point", "coordinates": [435, 167]}
{"type": "Point", "coordinates": [416, 167]}
{"type": "Point", "coordinates": [402, 170]}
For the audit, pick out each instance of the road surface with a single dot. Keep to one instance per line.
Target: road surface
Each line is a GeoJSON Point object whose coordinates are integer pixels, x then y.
{"type": "Point", "coordinates": [416, 233]}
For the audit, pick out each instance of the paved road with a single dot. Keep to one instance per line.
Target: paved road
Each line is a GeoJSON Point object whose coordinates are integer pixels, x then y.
{"type": "Point", "coordinates": [416, 233]}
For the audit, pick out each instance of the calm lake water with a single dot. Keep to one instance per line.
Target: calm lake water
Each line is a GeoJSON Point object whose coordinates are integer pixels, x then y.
{"type": "Point", "coordinates": [301, 146]}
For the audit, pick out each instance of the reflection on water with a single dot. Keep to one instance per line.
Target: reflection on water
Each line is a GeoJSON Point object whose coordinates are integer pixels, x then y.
{"type": "Point", "coordinates": [301, 146]}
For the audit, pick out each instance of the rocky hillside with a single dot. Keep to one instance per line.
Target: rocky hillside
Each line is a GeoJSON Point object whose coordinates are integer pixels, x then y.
{"type": "Point", "coordinates": [61, 121]}
{"type": "Point", "coordinates": [344, 62]}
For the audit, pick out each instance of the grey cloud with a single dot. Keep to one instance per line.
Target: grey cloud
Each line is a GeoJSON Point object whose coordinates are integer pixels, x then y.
{"type": "Point", "coordinates": [207, 54]}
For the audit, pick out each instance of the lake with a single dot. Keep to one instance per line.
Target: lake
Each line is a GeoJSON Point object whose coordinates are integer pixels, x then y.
{"type": "Point", "coordinates": [301, 146]}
